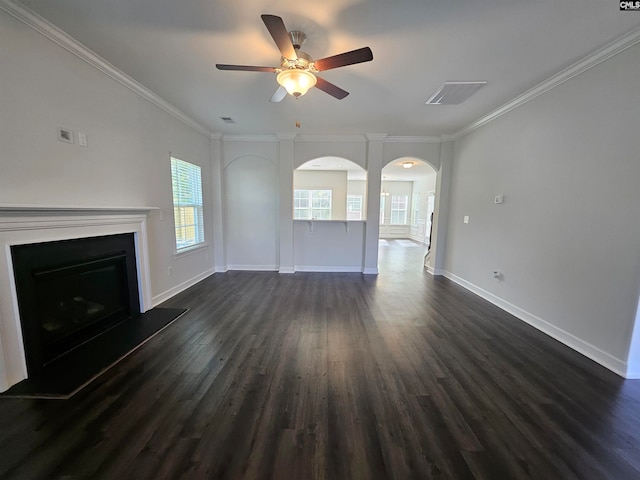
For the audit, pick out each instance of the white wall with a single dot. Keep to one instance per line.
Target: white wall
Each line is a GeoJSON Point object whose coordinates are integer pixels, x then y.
{"type": "Point", "coordinates": [251, 200]}
{"type": "Point", "coordinates": [567, 236]}
{"type": "Point", "coordinates": [328, 246]}
{"type": "Point", "coordinates": [126, 163]}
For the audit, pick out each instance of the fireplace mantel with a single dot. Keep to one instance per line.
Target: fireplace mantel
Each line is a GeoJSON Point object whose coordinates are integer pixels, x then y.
{"type": "Point", "coordinates": [24, 224]}
{"type": "Point", "coordinates": [10, 215]}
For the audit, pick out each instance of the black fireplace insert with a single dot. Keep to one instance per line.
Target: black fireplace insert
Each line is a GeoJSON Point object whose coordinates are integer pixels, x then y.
{"type": "Point", "coordinates": [71, 291]}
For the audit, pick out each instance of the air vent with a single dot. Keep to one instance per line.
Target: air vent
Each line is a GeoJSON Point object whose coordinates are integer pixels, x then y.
{"type": "Point", "coordinates": [227, 120]}
{"type": "Point", "coordinates": [452, 93]}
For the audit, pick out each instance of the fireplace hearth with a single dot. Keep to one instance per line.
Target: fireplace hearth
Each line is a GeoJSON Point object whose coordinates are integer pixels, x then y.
{"type": "Point", "coordinates": [71, 291]}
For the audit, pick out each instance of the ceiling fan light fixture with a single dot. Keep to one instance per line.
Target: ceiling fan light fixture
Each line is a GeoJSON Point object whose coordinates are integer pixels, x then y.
{"type": "Point", "coordinates": [296, 81]}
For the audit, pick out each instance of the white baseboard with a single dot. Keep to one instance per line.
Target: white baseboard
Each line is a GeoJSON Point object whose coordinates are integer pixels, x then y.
{"type": "Point", "coordinates": [287, 270]}
{"type": "Point", "coordinates": [166, 295]}
{"type": "Point", "coordinates": [221, 268]}
{"type": "Point", "coordinates": [633, 375]}
{"type": "Point", "coordinates": [327, 269]}
{"type": "Point", "coordinates": [436, 271]}
{"type": "Point", "coordinates": [254, 268]}
{"type": "Point", "coordinates": [370, 271]}
{"type": "Point", "coordinates": [605, 359]}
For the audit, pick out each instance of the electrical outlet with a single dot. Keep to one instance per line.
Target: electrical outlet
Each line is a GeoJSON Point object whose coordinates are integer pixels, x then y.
{"type": "Point", "coordinates": [497, 275]}
{"type": "Point", "coordinates": [82, 139]}
{"type": "Point", "coordinates": [466, 219]}
{"type": "Point", "coordinates": [169, 271]}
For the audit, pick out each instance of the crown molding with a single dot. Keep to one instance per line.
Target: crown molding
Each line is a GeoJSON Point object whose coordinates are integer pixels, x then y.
{"type": "Point", "coordinates": [411, 139]}
{"type": "Point", "coordinates": [447, 138]}
{"type": "Point", "coordinates": [581, 66]}
{"type": "Point", "coordinates": [250, 138]}
{"type": "Point", "coordinates": [53, 33]}
{"type": "Point", "coordinates": [330, 138]}
{"type": "Point", "coordinates": [287, 136]}
{"type": "Point", "coordinates": [376, 136]}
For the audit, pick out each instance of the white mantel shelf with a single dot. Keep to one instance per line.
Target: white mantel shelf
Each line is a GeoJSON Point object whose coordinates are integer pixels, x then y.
{"type": "Point", "coordinates": [53, 210]}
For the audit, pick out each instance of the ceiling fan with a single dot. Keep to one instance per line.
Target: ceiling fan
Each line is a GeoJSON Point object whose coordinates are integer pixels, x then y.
{"type": "Point", "coordinates": [297, 72]}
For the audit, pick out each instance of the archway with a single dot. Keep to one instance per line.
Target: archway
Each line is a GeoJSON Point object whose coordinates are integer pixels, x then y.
{"type": "Point", "coordinates": [329, 188]}
{"type": "Point", "coordinates": [407, 202]}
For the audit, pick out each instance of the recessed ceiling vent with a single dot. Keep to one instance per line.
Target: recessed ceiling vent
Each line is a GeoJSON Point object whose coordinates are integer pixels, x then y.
{"type": "Point", "coordinates": [227, 120]}
{"type": "Point", "coordinates": [453, 93]}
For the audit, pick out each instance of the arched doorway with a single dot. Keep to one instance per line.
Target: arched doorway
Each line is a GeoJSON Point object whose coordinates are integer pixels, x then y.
{"type": "Point", "coordinates": [407, 202]}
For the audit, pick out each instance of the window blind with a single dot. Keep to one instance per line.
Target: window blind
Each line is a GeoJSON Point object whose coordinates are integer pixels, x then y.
{"type": "Point", "coordinates": [186, 181]}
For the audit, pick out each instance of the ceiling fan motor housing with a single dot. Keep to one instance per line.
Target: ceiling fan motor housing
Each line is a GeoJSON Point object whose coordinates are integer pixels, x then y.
{"type": "Point", "coordinates": [297, 38]}
{"type": "Point", "coordinates": [303, 62]}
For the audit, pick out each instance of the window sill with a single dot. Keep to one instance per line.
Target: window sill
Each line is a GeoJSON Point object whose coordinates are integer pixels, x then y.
{"type": "Point", "coordinates": [190, 250]}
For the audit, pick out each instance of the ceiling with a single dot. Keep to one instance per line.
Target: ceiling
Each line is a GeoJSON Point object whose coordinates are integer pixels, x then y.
{"type": "Point", "coordinates": [172, 48]}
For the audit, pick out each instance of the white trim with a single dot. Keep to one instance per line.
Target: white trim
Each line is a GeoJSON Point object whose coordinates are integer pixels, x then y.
{"type": "Point", "coordinates": [632, 375]}
{"type": "Point", "coordinates": [302, 138]}
{"type": "Point", "coordinates": [221, 268]}
{"type": "Point", "coordinates": [250, 138]}
{"type": "Point", "coordinates": [328, 269]}
{"type": "Point", "coordinates": [370, 271]}
{"type": "Point", "coordinates": [286, 136]}
{"type": "Point", "coordinates": [21, 225]}
{"type": "Point", "coordinates": [287, 270]}
{"type": "Point", "coordinates": [376, 136]}
{"type": "Point", "coordinates": [167, 294]}
{"type": "Point", "coordinates": [186, 251]}
{"type": "Point", "coordinates": [605, 359]}
{"type": "Point", "coordinates": [411, 139]}
{"type": "Point", "coordinates": [587, 62]}
{"type": "Point", "coordinates": [28, 210]}
{"type": "Point", "coordinates": [53, 33]}
{"type": "Point", "coordinates": [254, 268]}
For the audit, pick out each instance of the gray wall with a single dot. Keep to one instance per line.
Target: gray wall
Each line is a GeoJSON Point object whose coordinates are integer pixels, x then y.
{"type": "Point", "coordinates": [567, 236]}
{"type": "Point", "coordinates": [126, 162]}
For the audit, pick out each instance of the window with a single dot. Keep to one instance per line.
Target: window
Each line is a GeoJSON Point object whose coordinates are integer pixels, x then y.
{"type": "Point", "coordinates": [382, 197]}
{"type": "Point", "coordinates": [399, 209]}
{"type": "Point", "coordinates": [312, 204]}
{"type": "Point", "coordinates": [354, 207]}
{"type": "Point", "coordinates": [186, 182]}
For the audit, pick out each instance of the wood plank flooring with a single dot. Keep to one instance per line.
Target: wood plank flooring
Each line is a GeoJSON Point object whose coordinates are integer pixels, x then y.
{"type": "Point", "coordinates": [335, 376]}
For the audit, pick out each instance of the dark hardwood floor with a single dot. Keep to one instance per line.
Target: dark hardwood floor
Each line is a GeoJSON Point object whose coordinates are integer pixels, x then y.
{"type": "Point", "coordinates": [337, 376]}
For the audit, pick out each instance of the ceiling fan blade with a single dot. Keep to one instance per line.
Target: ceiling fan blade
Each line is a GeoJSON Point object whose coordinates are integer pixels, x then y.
{"type": "Point", "coordinates": [279, 95]}
{"type": "Point", "coordinates": [343, 59]}
{"type": "Point", "coordinates": [278, 31]}
{"type": "Point", "coordinates": [330, 88]}
{"type": "Point", "coordinates": [244, 68]}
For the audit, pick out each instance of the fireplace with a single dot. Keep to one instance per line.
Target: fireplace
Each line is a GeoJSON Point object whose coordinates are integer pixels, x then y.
{"type": "Point", "coordinates": [71, 291]}
{"type": "Point", "coordinates": [24, 225]}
